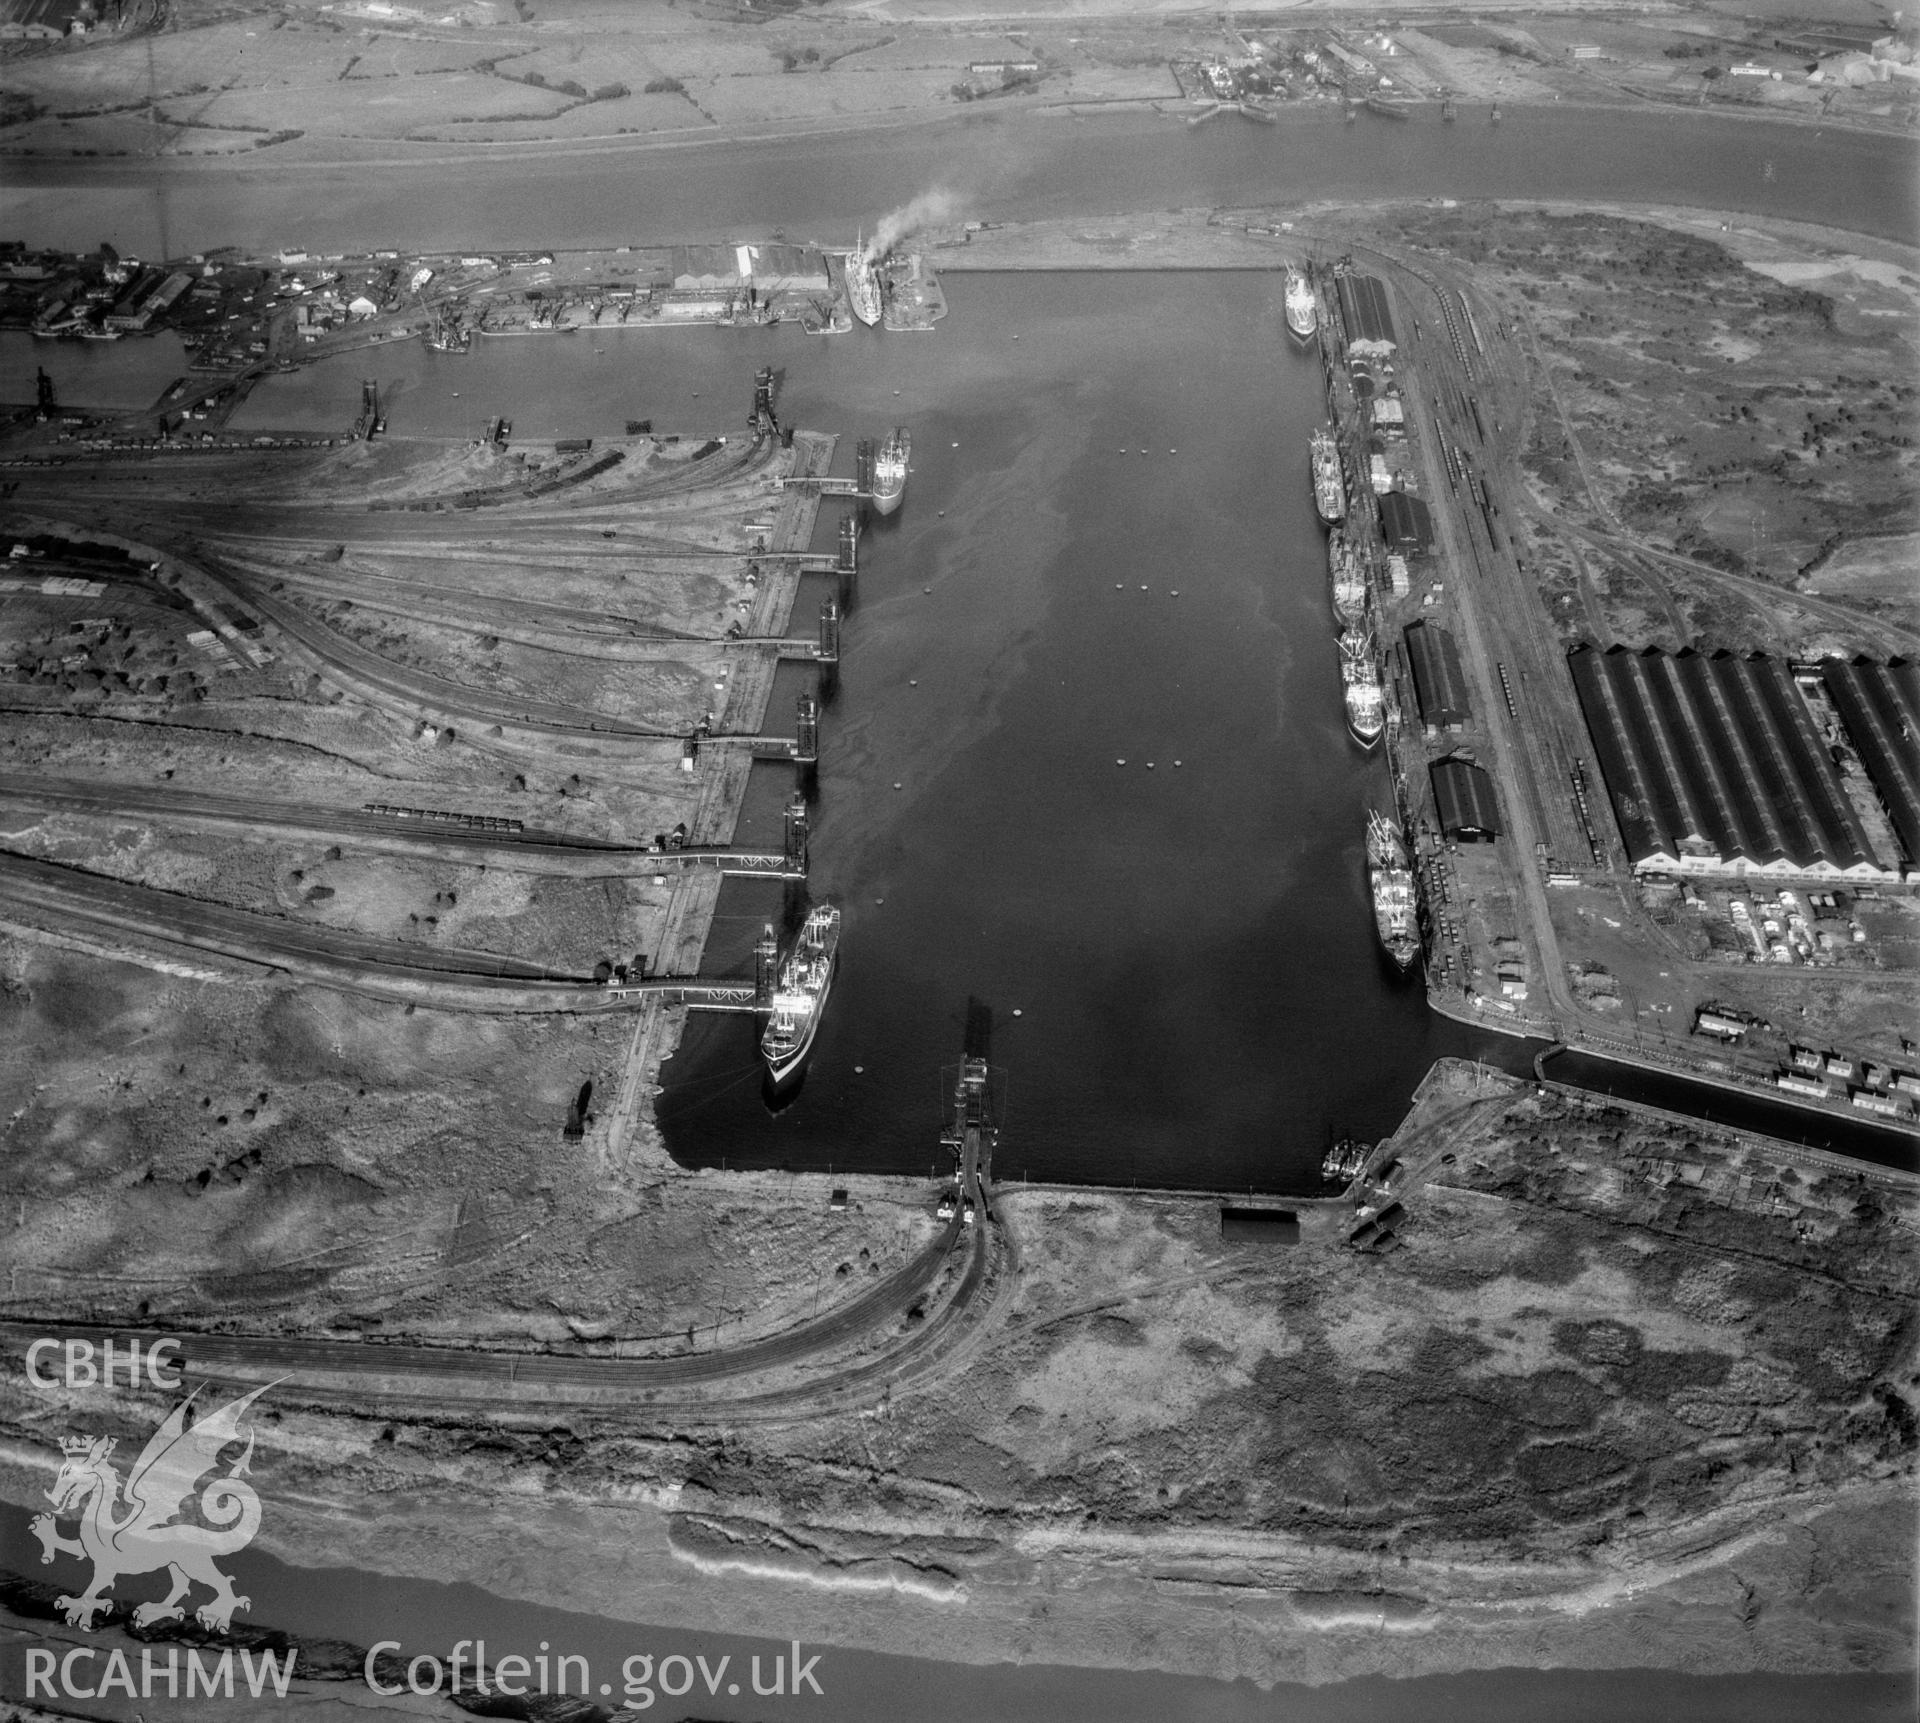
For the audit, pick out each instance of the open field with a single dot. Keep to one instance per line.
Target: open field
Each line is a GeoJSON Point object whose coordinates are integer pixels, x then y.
{"type": "Point", "coordinates": [1730, 417]}
{"type": "Point", "coordinates": [309, 81]}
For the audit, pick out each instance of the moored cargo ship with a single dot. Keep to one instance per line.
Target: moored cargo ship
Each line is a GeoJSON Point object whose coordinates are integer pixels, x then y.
{"type": "Point", "coordinates": [1360, 678]}
{"type": "Point", "coordinates": [1329, 490]}
{"type": "Point", "coordinates": [1395, 911]}
{"type": "Point", "coordinates": [800, 995]}
{"type": "Point", "coordinates": [1348, 577]}
{"type": "Point", "coordinates": [863, 287]}
{"type": "Point", "coordinates": [890, 470]}
{"type": "Point", "coordinates": [1302, 309]}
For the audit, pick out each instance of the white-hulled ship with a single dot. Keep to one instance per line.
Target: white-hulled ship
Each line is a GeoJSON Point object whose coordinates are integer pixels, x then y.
{"type": "Point", "coordinates": [890, 470]}
{"type": "Point", "coordinates": [1348, 577]}
{"type": "Point", "coordinates": [863, 286]}
{"type": "Point", "coordinates": [1360, 679]}
{"type": "Point", "coordinates": [1395, 911]}
{"type": "Point", "coordinates": [1303, 310]}
{"type": "Point", "coordinates": [1329, 490]}
{"type": "Point", "coordinates": [800, 995]}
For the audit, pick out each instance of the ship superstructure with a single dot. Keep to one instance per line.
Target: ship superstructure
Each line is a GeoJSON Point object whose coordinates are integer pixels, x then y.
{"type": "Point", "coordinates": [1302, 309]}
{"type": "Point", "coordinates": [1342, 1163]}
{"type": "Point", "coordinates": [863, 286]}
{"type": "Point", "coordinates": [1360, 678]}
{"type": "Point", "coordinates": [1329, 489]}
{"type": "Point", "coordinates": [1395, 908]}
{"type": "Point", "coordinates": [1348, 577]}
{"type": "Point", "coordinates": [800, 994]}
{"type": "Point", "coordinates": [890, 470]}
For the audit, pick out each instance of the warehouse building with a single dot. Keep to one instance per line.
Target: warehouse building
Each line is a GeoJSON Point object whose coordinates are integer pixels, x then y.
{"type": "Point", "coordinates": [1438, 683]}
{"type": "Point", "coordinates": [1880, 706]}
{"type": "Point", "coordinates": [732, 268]}
{"type": "Point", "coordinates": [1405, 522]}
{"type": "Point", "coordinates": [1365, 313]}
{"type": "Point", "coordinates": [1713, 765]}
{"type": "Point", "coordinates": [1463, 798]}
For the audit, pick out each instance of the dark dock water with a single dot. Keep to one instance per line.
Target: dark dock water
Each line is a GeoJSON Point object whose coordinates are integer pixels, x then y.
{"type": "Point", "coordinates": [1085, 760]}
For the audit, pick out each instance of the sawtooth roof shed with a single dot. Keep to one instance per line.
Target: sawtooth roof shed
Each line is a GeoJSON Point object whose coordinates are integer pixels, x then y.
{"type": "Point", "coordinates": [1880, 706]}
{"type": "Point", "coordinates": [1713, 762]}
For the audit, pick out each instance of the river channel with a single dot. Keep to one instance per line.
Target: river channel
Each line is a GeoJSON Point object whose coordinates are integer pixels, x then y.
{"type": "Point", "coordinates": [425, 1616]}
{"type": "Point", "coordinates": [1006, 165]}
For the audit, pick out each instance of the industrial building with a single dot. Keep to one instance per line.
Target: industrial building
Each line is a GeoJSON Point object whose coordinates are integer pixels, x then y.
{"type": "Point", "coordinates": [732, 268]}
{"type": "Point", "coordinates": [1880, 706]}
{"type": "Point", "coordinates": [1463, 798]}
{"type": "Point", "coordinates": [1365, 313]}
{"type": "Point", "coordinates": [1406, 523]}
{"type": "Point", "coordinates": [1714, 765]}
{"type": "Point", "coordinates": [1438, 682]}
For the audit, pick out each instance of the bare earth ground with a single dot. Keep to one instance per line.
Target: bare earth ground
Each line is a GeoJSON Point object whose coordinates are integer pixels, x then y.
{"type": "Point", "coordinates": [1625, 1396]}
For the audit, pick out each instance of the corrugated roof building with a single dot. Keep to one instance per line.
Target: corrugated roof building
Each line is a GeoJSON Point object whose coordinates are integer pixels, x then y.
{"type": "Point", "coordinates": [1880, 706]}
{"type": "Point", "coordinates": [1405, 522]}
{"type": "Point", "coordinates": [705, 267]}
{"type": "Point", "coordinates": [1438, 682]}
{"type": "Point", "coordinates": [1713, 765]}
{"type": "Point", "coordinates": [783, 268]}
{"type": "Point", "coordinates": [1463, 797]}
{"type": "Point", "coordinates": [1365, 312]}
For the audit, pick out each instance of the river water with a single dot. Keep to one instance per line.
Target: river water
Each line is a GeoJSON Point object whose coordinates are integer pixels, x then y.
{"type": "Point", "coordinates": [352, 1607]}
{"type": "Point", "coordinates": [1005, 165]}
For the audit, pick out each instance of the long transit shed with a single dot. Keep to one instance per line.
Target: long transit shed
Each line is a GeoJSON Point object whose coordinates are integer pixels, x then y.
{"type": "Point", "coordinates": [1713, 763]}
{"type": "Point", "coordinates": [1880, 706]}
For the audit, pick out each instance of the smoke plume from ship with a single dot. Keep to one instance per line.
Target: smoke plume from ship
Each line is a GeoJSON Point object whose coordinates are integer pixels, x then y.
{"type": "Point", "coordinates": [926, 210]}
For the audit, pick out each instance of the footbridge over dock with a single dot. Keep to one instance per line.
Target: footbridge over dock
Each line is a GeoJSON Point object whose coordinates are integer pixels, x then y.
{"type": "Point", "coordinates": [694, 995]}
{"type": "Point", "coordinates": [826, 485]}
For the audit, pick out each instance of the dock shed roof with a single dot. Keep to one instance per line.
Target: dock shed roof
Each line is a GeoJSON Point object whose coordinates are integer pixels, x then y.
{"type": "Point", "coordinates": [1880, 706]}
{"type": "Point", "coordinates": [1438, 681]}
{"type": "Point", "coordinates": [1463, 796]}
{"type": "Point", "coordinates": [795, 268]}
{"type": "Point", "coordinates": [1713, 763]}
{"type": "Point", "coordinates": [1365, 310]}
{"type": "Point", "coordinates": [1405, 522]}
{"type": "Point", "coordinates": [705, 266]}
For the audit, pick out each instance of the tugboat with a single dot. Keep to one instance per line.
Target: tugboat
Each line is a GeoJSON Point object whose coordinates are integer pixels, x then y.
{"type": "Point", "coordinates": [1348, 577]}
{"type": "Point", "coordinates": [800, 995]}
{"type": "Point", "coordinates": [890, 470]}
{"type": "Point", "coordinates": [1303, 310]}
{"type": "Point", "coordinates": [1343, 1161]}
{"type": "Point", "coordinates": [1391, 881]}
{"type": "Point", "coordinates": [1366, 702]}
{"type": "Point", "coordinates": [1329, 489]}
